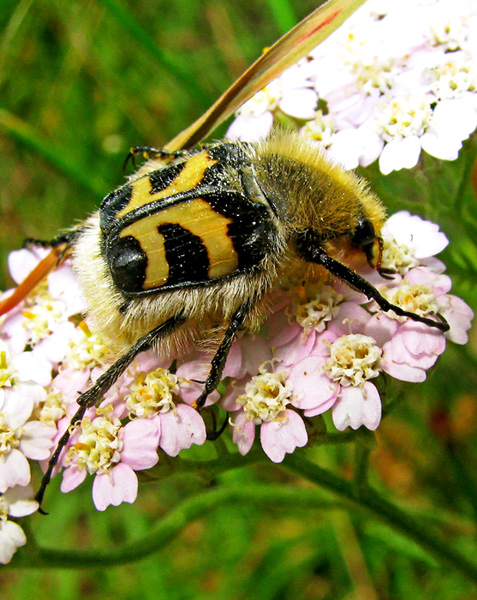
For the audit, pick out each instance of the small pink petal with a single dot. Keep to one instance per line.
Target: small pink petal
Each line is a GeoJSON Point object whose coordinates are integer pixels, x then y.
{"type": "Point", "coordinates": [248, 127]}
{"type": "Point", "coordinates": [233, 392]}
{"type": "Point", "coordinates": [356, 407]}
{"type": "Point", "coordinates": [297, 349]}
{"type": "Point", "coordinates": [71, 383]}
{"type": "Point", "coordinates": [72, 478]}
{"type": "Point", "coordinates": [32, 367]}
{"type": "Point", "coordinates": [22, 262]}
{"type": "Point", "coordinates": [381, 328]}
{"type": "Point", "coordinates": [12, 537]}
{"type": "Point", "coordinates": [233, 362]}
{"type": "Point", "coordinates": [141, 440]}
{"type": "Point", "coordinates": [312, 388]}
{"type": "Point", "coordinates": [180, 429]}
{"type": "Point", "coordinates": [281, 437]}
{"type": "Point", "coordinates": [14, 470]}
{"type": "Point", "coordinates": [243, 433]}
{"type": "Point", "coordinates": [459, 316]}
{"type": "Point", "coordinates": [18, 404]}
{"type": "Point", "coordinates": [36, 440]}
{"type": "Point", "coordinates": [413, 231]}
{"type": "Point", "coordinates": [351, 317]}
{"type": "Point", "coordinates": [117, 486]}
{"type": "Point", "coordinates": [404, 372]}
{"type": "Point", "coordinates": [421, 339]}
{"type": "Point", "coordinates": [20, 501]}
{"type": "Point", "coordinates": [255, 351]}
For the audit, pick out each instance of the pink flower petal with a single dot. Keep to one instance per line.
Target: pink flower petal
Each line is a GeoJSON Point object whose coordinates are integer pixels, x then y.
{"type": "Point", "coordinates": [297, 349]}
{"type": "Point", "coordinates": [313, 390]}
{"type": "Point", "coordinates": [228, 401]}
{"type": "Point", "coordinates": [381, 328]}
{"type": "Point", "coordinates": [32, 367]}
{"type": "Point", "coordinates": [404, 372]}
{"type": "Point", "coordinates": [254, 351]}
{"type": "Point", "coordinates": [243, 433]}
{"type": "Point", "coordinates": [71, 382]}
{"type": "Point", "coordinates": [18, 404]}
{"type": "Point", "coordinates": [357, 406]}
{"type": "Point", "coordinates": [233, 362]}
{"type": "Point", "coordinates": [141, 440]}
{"type": "Point", "coordinates": [14, 470]}
{"type": "Point", "coordinates": [117, 486]}
{"type": "Point", "coordinates": [180, 429]}
{"type": "Point", "coordinates": [36, 440]}
{"type": "Point", "coordinates": [22, 262]}
{"type": "Point", "coordinates": [11, 538]}
{"type": "Point", "coordinates": [20, 501]}
{"type": "Point", "coordinates": [459, 316]}
{"type": "Point", "coordinates": [412, 231]}
{"type": "Point", "coordinates": [281, 437]}
{"type": "Point", "coordinates": [72, 478]}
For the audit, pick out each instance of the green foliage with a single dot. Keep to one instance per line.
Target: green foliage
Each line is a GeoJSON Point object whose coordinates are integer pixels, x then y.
{"type": "Point", "coordinates": [79, 84]}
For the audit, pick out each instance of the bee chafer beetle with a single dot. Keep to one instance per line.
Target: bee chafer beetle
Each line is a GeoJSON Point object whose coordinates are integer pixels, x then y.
{"type": "Point", "coordinates": [190, 249]}
{"type": "Point", "coordinates": [188, 253]}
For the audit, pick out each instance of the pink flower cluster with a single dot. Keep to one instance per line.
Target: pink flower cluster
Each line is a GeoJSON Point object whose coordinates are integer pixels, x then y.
{"type": "Point", "coordinates": [323, 348]}
{"type": "Point", "coordinates": [329, 343]}
{"type": "Point", "coordinates": [383, 95]}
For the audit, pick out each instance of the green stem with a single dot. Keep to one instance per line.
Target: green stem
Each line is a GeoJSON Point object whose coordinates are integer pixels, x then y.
{"type": "Point", "coordinates": [369, 500]}
{"type": "Point", "coordinates": [171, 526]}
{"type": "Point", "coordinates": [364, 498]}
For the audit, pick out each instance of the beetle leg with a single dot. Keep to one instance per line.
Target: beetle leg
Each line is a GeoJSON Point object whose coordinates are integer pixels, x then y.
{"type": "Point", "coordinates": [95, 393]}
{"type": "Point", "coordinates": [218, 362]}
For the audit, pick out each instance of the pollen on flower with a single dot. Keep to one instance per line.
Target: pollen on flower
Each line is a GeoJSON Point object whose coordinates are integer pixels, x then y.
{"type": "Point", "coordinates": [404, 117]}
{"type": "Point", "coordinates": [4, 508]}
{"type": "Point", "coordinates": [265, 99]}
{"type": "Point", "coordinates": [265, 397]}
{"type": "Point", "coordinates": [99, 445]}
{"type": "Point", "coordinates": [7, 372]}
{"type": "Point", "coordinates": [315, 305]}
{"type": "Point", "coordinates": [454, 76]}
{"type": "Point", "coordinates": [50, 410]}
{"type": "Point", "coordinates": [450, 32]}
{"type": "Point", "coordinates": [397, 257]}
{"type": "Point", "coordinates": [9, 437]}
{"type": "Point", "coordinates": [88, 350]}
{"type": "Point", "coordinates": [353, 360]}
{"type": "Point", "coordinates": [413, 297]}
{"type": "Point", "coordinates": [42, 314]}
{"type": "Point", "coordinates": [320, 129]}
{"type": "Point", "coordinates": [375, 77]}
{"type": "Point", "coordinates": [153, 393]}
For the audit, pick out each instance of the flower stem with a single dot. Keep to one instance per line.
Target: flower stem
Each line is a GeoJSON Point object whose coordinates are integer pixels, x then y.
{"type": "Point", "coordinates": [368, 499]}
{"type": "Point", "coordinates": [171, 526]}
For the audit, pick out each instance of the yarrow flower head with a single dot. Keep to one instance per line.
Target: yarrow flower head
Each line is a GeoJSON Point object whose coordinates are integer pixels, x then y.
{"type": "Point", "coordinates": [324, 347]}
{"type": "Point", "coordinates": [388, 96]}
{"type": "Point", "coordinates": [264, 401]}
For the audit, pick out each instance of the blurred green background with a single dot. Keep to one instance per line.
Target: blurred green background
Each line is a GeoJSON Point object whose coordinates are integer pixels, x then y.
{"type": "Point", "coordinates": [81, 82]}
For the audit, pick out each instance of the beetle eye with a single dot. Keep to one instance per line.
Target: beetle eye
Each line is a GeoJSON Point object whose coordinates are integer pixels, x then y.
{"type": "Point", "coordinates": [364, 234]}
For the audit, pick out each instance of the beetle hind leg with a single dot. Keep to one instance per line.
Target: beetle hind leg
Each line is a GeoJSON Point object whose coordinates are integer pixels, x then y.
{"type": "Point", "coordinates": [218, 362]}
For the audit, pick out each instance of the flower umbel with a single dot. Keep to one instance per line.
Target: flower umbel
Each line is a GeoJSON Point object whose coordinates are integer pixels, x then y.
{"type": "Point", "coordinates": [388, 96]}
{"type": "Point", "coordinates": [266, 396]}
{"type": "Point", "coordinates": [353, 360]}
